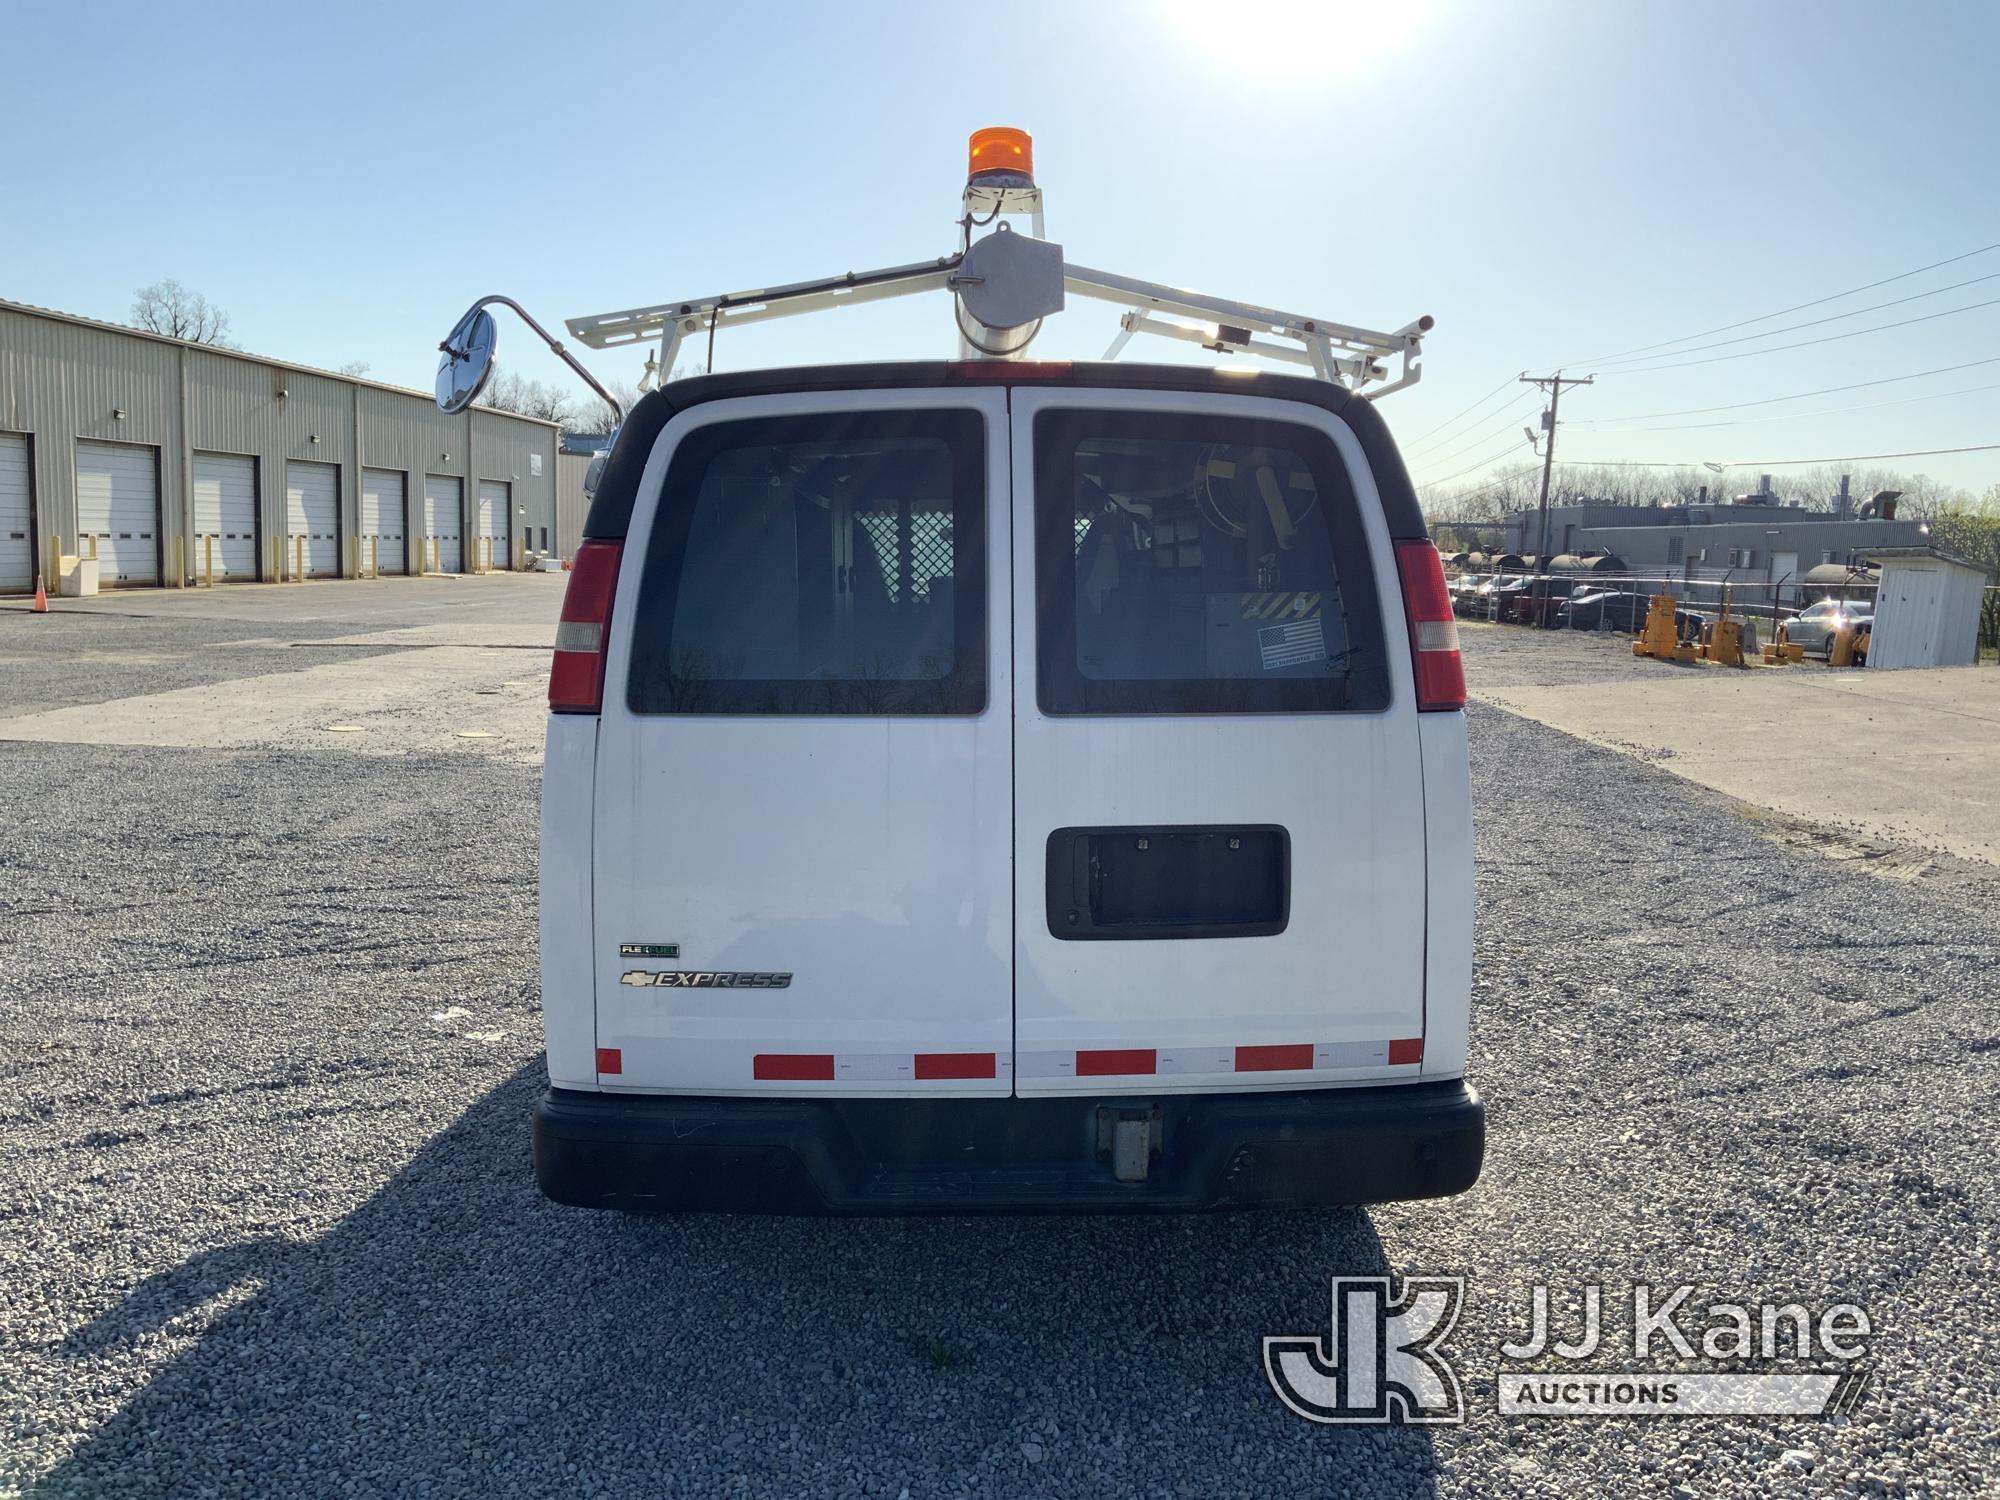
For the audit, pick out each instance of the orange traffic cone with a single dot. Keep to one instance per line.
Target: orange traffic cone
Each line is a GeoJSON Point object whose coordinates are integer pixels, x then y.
{"type": "Point", "coordinates": [41, 598]}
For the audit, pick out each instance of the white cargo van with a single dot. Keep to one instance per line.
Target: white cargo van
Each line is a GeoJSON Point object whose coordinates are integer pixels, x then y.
{"type": "Point", "coordinates": [992, 785]}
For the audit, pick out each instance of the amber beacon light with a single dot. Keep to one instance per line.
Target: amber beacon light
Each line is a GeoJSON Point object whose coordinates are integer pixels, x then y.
{"type": "Point", "coordinates": [1000, 148]}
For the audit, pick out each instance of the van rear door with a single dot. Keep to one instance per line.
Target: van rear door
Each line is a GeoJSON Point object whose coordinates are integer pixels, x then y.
{"type": "Point", "coordinates": [803, 787]}
{"type": "Point", "coordinates": [1219, 812]}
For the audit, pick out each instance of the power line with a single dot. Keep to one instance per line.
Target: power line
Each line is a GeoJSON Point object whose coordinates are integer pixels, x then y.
{"type": "Point", "coordinates": [1832, 318]}
{"type": "Point", "coordinates": [1715, 359]}
{"type": "Point", "coordinates": [1793, 416]}
{"type": "Point", "coordinates": [1482, 437]}
{"type": "Point", "coordinates": [1779, 463]}
{"type": "Point", "coordinates": [1470, 468]}
{"type": "Point", "coordinates": [1797, 307]}
{"type": "Point", "coordinates": [1418, 442]}
{"type": "Point", "coordinates": [1828, 390]}
{"type": "Point", "coordinates": [1487, 489]}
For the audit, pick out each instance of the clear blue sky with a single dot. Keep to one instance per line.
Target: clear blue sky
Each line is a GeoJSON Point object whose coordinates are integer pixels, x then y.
{"type": "Point", "coordinates": [1552, 181]}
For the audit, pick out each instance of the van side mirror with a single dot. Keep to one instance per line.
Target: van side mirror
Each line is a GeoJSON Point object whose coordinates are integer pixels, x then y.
{"type": "Point", "coordinates": [466, 361]}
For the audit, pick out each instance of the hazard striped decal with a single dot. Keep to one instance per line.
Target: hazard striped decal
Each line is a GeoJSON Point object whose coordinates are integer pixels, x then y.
{"type": "Point", "coordinates": [1104, 1062]}
{"type": "Point", "coordinates": [1300, 606]}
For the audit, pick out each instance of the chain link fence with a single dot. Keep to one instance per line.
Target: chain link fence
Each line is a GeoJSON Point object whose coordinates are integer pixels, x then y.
{"type": "Point", "coordinates": [1619, 601]}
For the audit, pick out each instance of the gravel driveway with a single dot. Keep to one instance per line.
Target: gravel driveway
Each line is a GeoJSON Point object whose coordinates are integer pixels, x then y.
{"type": "Point", "coordinates": [268, 1030]}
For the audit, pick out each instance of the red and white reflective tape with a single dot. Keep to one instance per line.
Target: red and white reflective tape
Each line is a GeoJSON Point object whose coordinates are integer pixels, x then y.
{"type": "Point", "coordinates": [1101, 1062]}
{"type": "Point", "coordinates": [1167, 1062]}
{"type": "Point", "coordinates": [879, 1067]}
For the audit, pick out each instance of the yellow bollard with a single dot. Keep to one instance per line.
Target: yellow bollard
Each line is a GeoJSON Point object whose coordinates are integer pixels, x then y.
{"type": "Point", "coordinates": [298, 558]}
{"type": "Point", "coordinates": [374, 557]}
{"type": "Point", "coordinates": [55, 563]}
{"type": "Point", "coordinates": [93, 546]}
{"type": "Point", "coordinates": [208, 559]}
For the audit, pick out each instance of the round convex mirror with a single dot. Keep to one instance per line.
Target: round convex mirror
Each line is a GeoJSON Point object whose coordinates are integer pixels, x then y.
{"type": "Point", "coordinates": [466, 361]}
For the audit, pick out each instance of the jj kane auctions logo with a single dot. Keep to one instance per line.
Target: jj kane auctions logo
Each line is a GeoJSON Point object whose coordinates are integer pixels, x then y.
{"type": "Point", "coordinates": [1383, 1359]}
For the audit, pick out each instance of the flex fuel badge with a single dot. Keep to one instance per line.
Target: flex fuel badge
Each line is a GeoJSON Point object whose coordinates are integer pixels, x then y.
{"type": "Point", "coordinates": [649, 950]}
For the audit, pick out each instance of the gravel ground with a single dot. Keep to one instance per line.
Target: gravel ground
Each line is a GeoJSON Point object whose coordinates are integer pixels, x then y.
{"type": "Point", "coordinates": [60, 660]}
{"type": "Point", "coordinates": [270, 1044]}
{"type": "Point", "coordinates": [122, 644]}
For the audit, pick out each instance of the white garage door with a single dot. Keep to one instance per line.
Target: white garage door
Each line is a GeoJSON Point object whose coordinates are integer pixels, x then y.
{"type": "Point", "coordinates": [442, 509]}
{"type": "Point", "coordinates": [225, 518]}
{"type": "Point", "coordinates": [383, 513]}
{"type": "Point", "coordinates": [312, 511]}
{"type": "Point", "coordinates": [17, 536]}
{"type": "Point", "coordinates": [118, 507]}
{"type": "Point", "coordinates": [496, 509]}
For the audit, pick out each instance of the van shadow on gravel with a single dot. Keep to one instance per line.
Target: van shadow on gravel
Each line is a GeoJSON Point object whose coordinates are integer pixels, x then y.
{"type": "Point", "coordinates": [458, 1334]}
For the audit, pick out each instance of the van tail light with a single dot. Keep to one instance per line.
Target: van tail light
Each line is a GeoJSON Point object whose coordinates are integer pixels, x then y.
{"type": "Point", "coordinates": [576, 678]}
{"type": "Point", "coordinates": [1440, 671]}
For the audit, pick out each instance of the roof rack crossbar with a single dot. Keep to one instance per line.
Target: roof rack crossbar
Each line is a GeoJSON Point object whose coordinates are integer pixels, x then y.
{"type": "Point", "coordinates": [1337, 352]}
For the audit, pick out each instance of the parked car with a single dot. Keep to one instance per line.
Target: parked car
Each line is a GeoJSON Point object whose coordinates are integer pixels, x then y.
{"type": "Point", "coordinates": [1814, 627]}
{"type": "Point", "coordinates": [1469, 592]}
{"type": "Point", "coordinates": [744, 921]}
{"type": "Point", "coordinates": [926, 831]}
{"type": "Point", "coordinates": [1521, 598]}
{"type": "Point", "coordinates": [1593, 609]}
{"type": "Point", "coordinates": [1623, 610]}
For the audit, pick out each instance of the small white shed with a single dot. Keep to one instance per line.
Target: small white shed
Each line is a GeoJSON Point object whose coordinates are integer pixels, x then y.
{"type": "Point", "coordinates": [1927, 609]}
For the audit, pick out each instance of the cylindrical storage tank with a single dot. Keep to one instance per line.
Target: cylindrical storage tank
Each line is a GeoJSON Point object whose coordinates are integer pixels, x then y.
{"type": "Point", "coordinates": [1837, 578]}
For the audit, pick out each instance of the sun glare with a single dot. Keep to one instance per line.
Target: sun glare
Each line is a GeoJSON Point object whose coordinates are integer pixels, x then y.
{"type": "Point", "coordinates": [1335, 39]}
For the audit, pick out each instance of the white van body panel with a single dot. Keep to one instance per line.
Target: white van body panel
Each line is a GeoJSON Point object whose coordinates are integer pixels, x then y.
{"type": "Point", "coordinates": [867, 857]}
{"type": "Point", "coordinates": [1347, 973]}
{"type": "Point", "coordinates": [569, 1010]}
{"type": "Point", "coordinates": [1449, 893]}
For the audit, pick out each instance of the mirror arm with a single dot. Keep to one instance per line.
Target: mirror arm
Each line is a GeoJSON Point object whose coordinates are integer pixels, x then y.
{"type": "Point", "coordinates": [562, 353]}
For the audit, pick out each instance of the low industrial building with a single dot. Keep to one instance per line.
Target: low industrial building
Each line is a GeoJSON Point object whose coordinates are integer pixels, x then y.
{"type": "Point", "coordinates": [175, 464]}
{"type": "Point", "coordinates": [1752, 538]}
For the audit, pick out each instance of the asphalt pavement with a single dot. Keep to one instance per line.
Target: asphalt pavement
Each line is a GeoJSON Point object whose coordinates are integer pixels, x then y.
{"type": "Point", "coordinates": [269, 1037]}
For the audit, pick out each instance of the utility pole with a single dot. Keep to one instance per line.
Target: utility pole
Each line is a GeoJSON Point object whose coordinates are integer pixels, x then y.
{"type": "Point", "coordinates": [1553, 384]}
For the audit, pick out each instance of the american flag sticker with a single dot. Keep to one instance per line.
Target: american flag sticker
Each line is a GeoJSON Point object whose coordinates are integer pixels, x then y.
{"type": "Point", "coordinates": [1292, 644]}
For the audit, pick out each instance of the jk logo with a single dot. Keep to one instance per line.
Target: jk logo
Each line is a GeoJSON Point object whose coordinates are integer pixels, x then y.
{"type": "Point", "coordinates": [1380, 1360]}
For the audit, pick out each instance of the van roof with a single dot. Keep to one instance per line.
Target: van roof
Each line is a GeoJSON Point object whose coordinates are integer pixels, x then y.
{"type": "Point", "coordinates": [611, 507]}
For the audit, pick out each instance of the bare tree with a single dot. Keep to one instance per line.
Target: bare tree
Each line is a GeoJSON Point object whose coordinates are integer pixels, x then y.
{"type": "Point", "coordinates": [508, 391]}
{"type": "Point", "coordinates": [168, 307]}
{"type": "Point", "coordinates": [354, 367]}
{"type": "Point", "coordinates": [596, 416]}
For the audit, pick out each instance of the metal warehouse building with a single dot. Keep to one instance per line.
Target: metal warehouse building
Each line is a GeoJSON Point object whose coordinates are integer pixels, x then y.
{"type": "Point", "coordinates": [176, 464]}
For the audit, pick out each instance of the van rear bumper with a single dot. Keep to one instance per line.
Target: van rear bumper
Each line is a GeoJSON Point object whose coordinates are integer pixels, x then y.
{"type": "Point", "coordinates": [686, 1153]}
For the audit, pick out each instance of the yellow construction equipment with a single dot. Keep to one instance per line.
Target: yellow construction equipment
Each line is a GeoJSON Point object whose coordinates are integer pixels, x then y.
{"type": "Point", "coordinates": [1722, 642]}
{"type": "Point", "coordinates": [1722, 638]}
{"type": "Point", "coordinates": [1850, 647]}
{"type": "Point", "coordinates": [1782, 650]}
{"type": "Point", "coordinates": [1660, 636]}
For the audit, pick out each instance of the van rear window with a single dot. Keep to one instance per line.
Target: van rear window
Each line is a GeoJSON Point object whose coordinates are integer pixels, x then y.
{"type": "Point", "coordinates": [831, 563]}
{"type": "Point", "coordinates": [1200, 565]}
